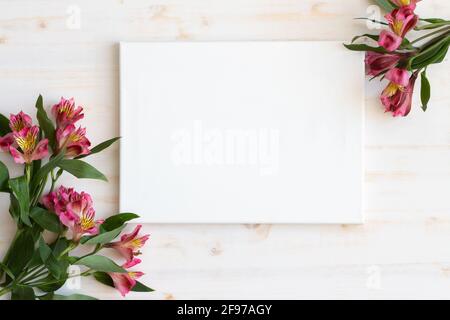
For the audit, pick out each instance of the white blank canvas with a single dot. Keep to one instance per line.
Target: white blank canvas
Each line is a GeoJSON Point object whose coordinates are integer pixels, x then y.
{"type": "Point", "coordinates": [241, 132]}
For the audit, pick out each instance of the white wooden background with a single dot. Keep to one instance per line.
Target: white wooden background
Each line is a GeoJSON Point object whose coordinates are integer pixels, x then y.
{"type": "Point", "coordinates": [403, 251]}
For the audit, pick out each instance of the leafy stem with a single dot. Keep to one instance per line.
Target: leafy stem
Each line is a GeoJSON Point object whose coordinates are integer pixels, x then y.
{"type": "Point", "coordinates": [430, 34]}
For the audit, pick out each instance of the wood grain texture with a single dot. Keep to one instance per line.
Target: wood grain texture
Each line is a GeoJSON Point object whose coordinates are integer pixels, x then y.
{"type": "Point", "coordinates": [402, 251]}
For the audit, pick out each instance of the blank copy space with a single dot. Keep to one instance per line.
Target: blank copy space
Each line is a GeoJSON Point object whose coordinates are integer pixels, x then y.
{"type": "Point", "coordinates": [241, 132]}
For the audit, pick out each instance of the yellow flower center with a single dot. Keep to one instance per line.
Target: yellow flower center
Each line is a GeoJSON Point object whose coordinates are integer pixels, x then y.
{"type": "Point", "coordinates": [67, 109]}
{"type": "Point", "coordinates": [27, 143]}
{"type": "Point", "coordinates": [87, 222]}
{"type": "Point", "coordinates": [74, 137]}
{"type": "Point", "coordinates": [397, 27]}
{"type": "Point", "coordinates": [392, 89]}
{"type": "Point", "coordinates": [405, 2]}
{"type": "Point", "coordinates": [136, 243]}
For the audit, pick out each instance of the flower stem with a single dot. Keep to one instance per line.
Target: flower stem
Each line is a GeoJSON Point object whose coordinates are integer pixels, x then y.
{"type": "Point", "coordinates": [5, 291]}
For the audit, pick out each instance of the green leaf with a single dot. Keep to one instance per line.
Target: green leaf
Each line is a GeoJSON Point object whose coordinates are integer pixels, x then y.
{"type": "Point", "coordinates": [386, 5]}
{"type": "Point", "coordinates": [104, 237]}
{"type": "Point", "coordinates": [54, 296]}
{"type": "Point", "coordinates": [81, 169]}
{"type": "Point", "coordinates": [364, 47]}
{"type": "Point", "coordinates": [433, 20]}
{"type": "Point", "coordinates": [22, 251]}
{"type": "Point", "coordinates": [117, 221]}
{"type": "Point", "coordinates": [425, 90]}
{"type": "Point", "coordinates": [19, 187]}
{"type": "Point", "coordinates": [105, 279]}
{"type": "Point", "coordinates": [46, 220]}
{"type": "Point", "coordinates": [100, 263]}
{"type": "Point", "coordinates": [45, 123]}
{"type": "Point", "coordinates": [4, 125]}
{"type": "Point", "coordinates": [7, 271]}
{"type": "Point", "coordinates": [60, 246]}
{"type": "Point", "coordinates": [433, 54]}
{"type": "Point", "coordinates": [140, 287]}
{"type": "Point", "coordinates": [20, 292]}
{"type": "Point", "coordinates": [43, 172]}
{"type": "Point", "coordinates": [366, 35]}
{"type": "Point", "coordinates": [100, 147]}
{"type": "Point", "coordinates": [44, 250]}
{"type": "Point", "coordinates": [50, 284]}
{"type": "Point", "coordinates": [433, 25]}
{"type": "Point", "coordinates": [4, 177]}
{"type": "Point", "coordinates": [14, 209]}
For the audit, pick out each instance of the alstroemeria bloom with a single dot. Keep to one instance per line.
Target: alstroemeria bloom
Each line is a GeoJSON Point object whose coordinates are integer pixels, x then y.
{"type": "Point", "coordinates": [377, 63]}
{"type": "Point", "coordinates": [74, 140]}
{"type": "Point", "coordinates": [124, 282]}
{"type": "Point", "coordinates": [19, 121]}
{"type": "Point", "coordinates": [389, 40]}
{"type": "Point", "coordinates": [403, 3]}
{"type": "Point", "coordinates": [402, 20]}
{"type": "Point", "coordinates": [75, 211]}
{"type": "Point", "coordinates": [129, 244]}
{"type": "Point", "coordinates": [30, 147]}
{"type": "Point", "coordinates": [66, 113]}
{"type": "Point", "coordinates": [57, 201]}
{"type": "Point", "coordinates": [397, 97]}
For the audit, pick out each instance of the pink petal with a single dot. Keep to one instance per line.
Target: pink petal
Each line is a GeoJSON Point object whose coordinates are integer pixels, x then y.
{"type": "Point", "coordinates": [389, 40]}
{"type": "Point", "coordinates": [398, 76]}
{"type": "Point", "coordinates": [17, 155]}
{"type": "Point", "coordinates": [131, 236]}
{"type": "Point", "coordinates": [41, 150]}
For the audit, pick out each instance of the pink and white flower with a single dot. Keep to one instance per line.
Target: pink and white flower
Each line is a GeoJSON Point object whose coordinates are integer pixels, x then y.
{"type": "Point", "coordinates": [66, 113]}
{"type": "Point", "coordinates": [124, 282]}
{"type": "Point", "coordinates": [403, 3]}
{"type": "Point", "coordinates": [402, 20]}
{"type": "Point", "coordinates": [19, 121]}
{"type": "Point", "coordinates": [397, 97]}
{"type": "Point", "coordinates": [74, 140]}
{"type": "Point", "coordinates": [29, 146]}
{"type": "Point", "coordinates": [377, 63]}
{"type": "Point", "coordinates": [74, 210]}
{"type": "Point", "coordinates": [129, 244]}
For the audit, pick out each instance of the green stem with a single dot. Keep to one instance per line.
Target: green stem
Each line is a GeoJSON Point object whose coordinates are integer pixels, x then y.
{"type": "Point", "coordinates": [71, 246]}
{"type": "Point", "coordinates": [5, 291]}
{"type": "Point", "coordinates": [53, 180]}
{"type": "Point", "coordinates": [8, 253]}
{"type": "Point", "coordinates": [37, 283]}
{"type": "Point", "coordinates": [430, 34]}
{"type": "Point", "coordinates": [32, 274]}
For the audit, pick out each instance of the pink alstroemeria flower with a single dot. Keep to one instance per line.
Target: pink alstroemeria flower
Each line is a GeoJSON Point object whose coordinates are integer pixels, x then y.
{"type": "Point", "coordinates": [75, 211]}
{"type": "Point", "coordinates": [377, 63]}
{"type": "Point", "coordinates": [129, 244]}
{"type": "Point", "coordinates": [17, 122]}
{"type": "Point", "coordinates": [397, 97]}
{"type": "Point", "coordinates": [403, 3]}
{"type": "Point", "coordinates": [74, 140]}
{"type": "Point", "coordinates": [30, 148]}
{"type": "Point", "coordinates": [124, 282]}
{"type": "Point", "coordinates": [66, 113]}
{"type": "Point", "coordinates": [389, 40]}
{"type": "Point", "coordinates": [402, 20]}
